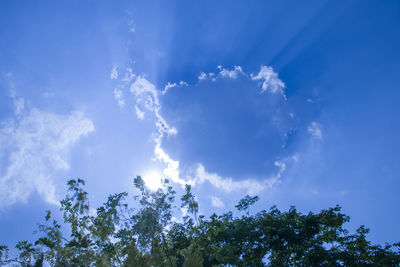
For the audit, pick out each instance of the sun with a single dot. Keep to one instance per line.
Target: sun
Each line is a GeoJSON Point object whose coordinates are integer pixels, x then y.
{"type": "Point", "coordinates": [153, 180]}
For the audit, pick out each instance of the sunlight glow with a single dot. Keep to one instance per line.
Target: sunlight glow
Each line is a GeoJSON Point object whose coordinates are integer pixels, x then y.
{"type": "Point", "coordinates": [153, 180]}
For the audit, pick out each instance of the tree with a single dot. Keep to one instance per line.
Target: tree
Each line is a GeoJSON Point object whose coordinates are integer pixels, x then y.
{"type": "Point", "coordinates": [116, 235]}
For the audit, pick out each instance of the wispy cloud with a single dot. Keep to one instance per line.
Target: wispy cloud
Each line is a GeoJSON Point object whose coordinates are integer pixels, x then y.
{"type": "Point", "coordinates": [34, 146]}
{"type": "Point", "coordinates": [205, 76]}
{"type": "Point", "coordinates": [269, 80]}
{"type": "Point", "coordinates": [19, 104]}
{"type": "Point", "coordinates": [145, 93]}
{"type": "Point", "coordinates": [217, 202]}
{"type": "Point", "coordinates": [202, 76]}
{"type": "Point", "coordinates": [132, 25]}
{"type": "Point", "coordinates": [118, 95]}
{"type": "Point", "coordinates": [171, 85]}
{"type": "Point", "coordinates": [315, 130]}
{"type": "Point", "coordinates": [233, 74]}
{"type": "Point", "coordinates": [228, 185]}
{"type": "Point", "coordinates": [130, 22]}
{"type": "Point", "coordinates": [128, 76]}
{"type": "Point", "coordinates": [114, 73]}
{"type": "Point", "coordinates": [223, 73]}
{"type": "Point", "coordinates": [139, 112]}
{"type": "Point", "coordinates": [147, 97]}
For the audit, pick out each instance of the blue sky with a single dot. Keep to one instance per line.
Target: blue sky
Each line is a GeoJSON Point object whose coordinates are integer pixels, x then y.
{"type": "Point", "coordinates": [293, 101]}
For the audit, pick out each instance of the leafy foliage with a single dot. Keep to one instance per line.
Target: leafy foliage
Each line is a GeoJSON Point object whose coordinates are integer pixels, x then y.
{"type": "Point", "coordinates": [115, 235]}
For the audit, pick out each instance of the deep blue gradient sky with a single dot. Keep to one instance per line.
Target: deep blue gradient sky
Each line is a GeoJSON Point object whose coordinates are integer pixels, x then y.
{"type": "Point", "coordinates": [294, 101]}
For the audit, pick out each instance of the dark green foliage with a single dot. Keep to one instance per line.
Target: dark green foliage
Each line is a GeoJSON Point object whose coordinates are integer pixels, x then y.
{"type": "Point", "coordinates": [245, 203]}
{"type": "Point", "coordinates": [116, 235]}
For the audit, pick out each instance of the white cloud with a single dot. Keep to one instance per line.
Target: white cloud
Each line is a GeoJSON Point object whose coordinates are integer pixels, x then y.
{"type": "Point", "coordinates": [172, 166]}
{"type": "Point", "coordinates": [200, 176]}
{"type": "Point", "coordinates": [118, 95]}
{"type": "Point", "coordinates": [315, 130]}
{"type": "Point", "coordinates": [233, 74]}
{"type": "Point", "coordinates": [226, 184]}
{"type": "Point", "coordinates": [217, 202]}
{"type": "Point", "coordinates": [171, 85]}
{"type": "Point", "coordinates": [183, 83]}
{"type": "Point", "coordinates": [229, 185]}
{"type": "Point", "coordinates": [202, 76]}
{"type": "Point", "coordinates": [146, 93]}
{"type": "Point", "coordinates": [224, 73]}
{"type": "Point", "coordinates": [147, 97]}
{"type": "Point", "coordinates": [139, 112]}
{"type": "Point", "coordinates": [114, 73]}
{"type": "Point", "coordinates": [33, 147]}
{"type": "Point", "coordinates": [270, 80]}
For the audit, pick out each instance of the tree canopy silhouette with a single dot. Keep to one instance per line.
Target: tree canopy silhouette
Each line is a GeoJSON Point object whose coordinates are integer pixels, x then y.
{"type": "Point", "coordinates": [116, 235]}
